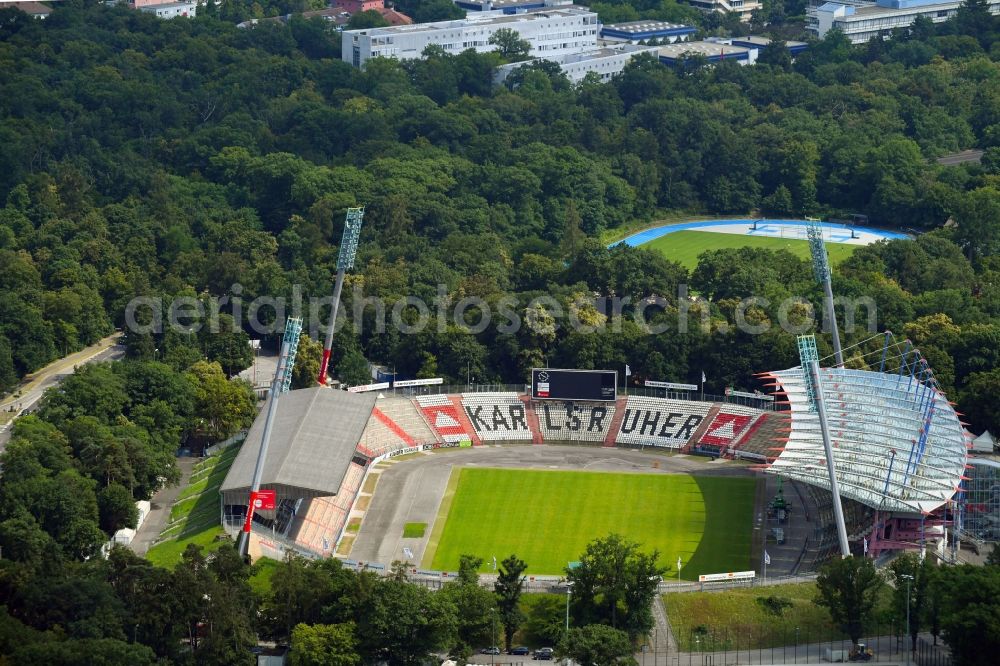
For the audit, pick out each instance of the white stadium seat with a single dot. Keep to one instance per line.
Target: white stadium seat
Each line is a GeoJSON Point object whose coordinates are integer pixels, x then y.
{"type": "Point", "coordinates": [660, 422]}
{"type": "Point", "coordinates": [497, 416]}
{"type": "Point", "coordinates": [574, 421]}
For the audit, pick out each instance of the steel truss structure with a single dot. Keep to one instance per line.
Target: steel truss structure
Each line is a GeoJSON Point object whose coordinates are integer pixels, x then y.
{"type": "Point", "coordinates": [898, 444]}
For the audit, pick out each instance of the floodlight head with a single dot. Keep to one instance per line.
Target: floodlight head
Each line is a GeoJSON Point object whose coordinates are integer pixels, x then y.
{"type": "Point", "coordinates": [820, 261]}
{"type": "Point", "coordinates": [349, 241]}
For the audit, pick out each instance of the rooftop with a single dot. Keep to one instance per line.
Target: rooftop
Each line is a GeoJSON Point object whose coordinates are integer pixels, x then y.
{"type": "Point", "coordinates": [32, 8]}
{"type": "Point", "coordinates": [645, 26]}
{"type": "Point", "coordinates": [313, 438]}
{"type": "Point", "coordinates": [707, 49]}
{"type": "Point", "coordinates": [481, 19]}
{"type": "Point", "coordinates": [875, 10]}
{"type": "Point", "coordinates": [897, 444]}
{"type": "Point", "coordinates": [763, 41]}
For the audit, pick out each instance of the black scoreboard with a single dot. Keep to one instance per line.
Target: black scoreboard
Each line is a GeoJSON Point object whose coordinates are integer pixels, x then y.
{"type": "Point", "coordinates": [549, 384]}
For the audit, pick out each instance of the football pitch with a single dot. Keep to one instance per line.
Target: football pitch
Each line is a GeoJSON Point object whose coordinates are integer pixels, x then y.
{"type": "Point", "coordinates": [548, 517]}
{"type": "Point", "coordinates": [685, 246]}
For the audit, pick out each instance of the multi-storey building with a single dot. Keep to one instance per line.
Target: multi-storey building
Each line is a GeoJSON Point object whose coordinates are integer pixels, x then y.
{"type": "Point", "coordinates": [554, 31]}
{"type": "Point", "coordinates": [742, 7]}
{"type": "Point", "coordinates": [861, 21]}
{"type": "Point", "coordinates": [605, 61]}
{"type": "Point", "coordinates": [167, 10]}
{"type": "Point", "coordinates": [644, 31]}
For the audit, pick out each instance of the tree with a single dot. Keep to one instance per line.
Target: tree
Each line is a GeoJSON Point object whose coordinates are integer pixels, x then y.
{"type": "Point", "coordinates": [849, 588]}
{"type": "Point", "coordinates": [615, 584]}
{"type": "Point", "coordinates": [978, 232]}
{"type": "Point", "coordinates": [324, 644]}
{"type": "Point", "coordinates": [509, 45]}
{"type": "Point", "coordinates": [971, 614]}
{"type": "Point", "coordinates": [223, 407]}
{"type": "Point", "coordinates": [366, 19]}
{"type": "Point", "coordinates": [475, 607]}
{"type": "Point", "coordinates": [117, 508]}
{"type": "Point", "coordinates": [307, 360]}
{"type": "Point", "coordinates": [230, 347]}
{"type": "Point", "coordinates": [907, 568]}
{"type": "Point", "coordinates": [403, 623]}
{"type": "Point", "coordinates": [572, 235]}
{"type": "Point", "coordinates": [993, 559]}
{"type": "Point", "coordinates": [545, 619]}
{"type": "Point", "coordinates": [508, 586]}
{"type": "Point", "coordinates": [597, 645]}
{"type": "Point", "coordinates": [776, 54]}
{"type": "Point", "coordinates": [425, 11]}
{"type": "Point", "coordinates": [353, 369]}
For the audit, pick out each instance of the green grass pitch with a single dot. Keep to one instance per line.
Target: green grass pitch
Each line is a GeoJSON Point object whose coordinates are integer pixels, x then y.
{"type": "Point", "coordinates": [685, 246]}
{"type": "Point", "coordinates": [548, 517]}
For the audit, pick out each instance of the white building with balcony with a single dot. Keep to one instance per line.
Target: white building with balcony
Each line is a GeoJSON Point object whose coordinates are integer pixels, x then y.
{"type": "Point", "coordinates": [551, 32]}
{"type": "Point", "coordinates": [605, 61]}
{"type": "Point", "coordinates": [742, 7]}
{"type": "Point", "coordinates": [860, 23]}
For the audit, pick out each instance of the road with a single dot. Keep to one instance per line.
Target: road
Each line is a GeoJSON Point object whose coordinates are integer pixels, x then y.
{"type": "Point", "coordinates": [31, 389]}
{"type": "Point", "coordinates": [961, 158]}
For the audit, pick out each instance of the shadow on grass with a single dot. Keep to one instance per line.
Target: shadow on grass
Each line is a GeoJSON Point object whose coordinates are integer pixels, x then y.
{"type": "Point", "coordinates": [725, 543]}
{"type": "Point", "coordinates": [196, 518]}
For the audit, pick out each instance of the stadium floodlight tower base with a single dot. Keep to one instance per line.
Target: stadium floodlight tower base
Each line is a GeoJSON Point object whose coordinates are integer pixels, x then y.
{"type": "Point", "coordinates": [348, 250]}
{"type": "Point", "coordinates": [281, 383]}
{"type": "Point", "coordinates": [814, 387]}
{"type": "Point", "coordinates": [821, 269]}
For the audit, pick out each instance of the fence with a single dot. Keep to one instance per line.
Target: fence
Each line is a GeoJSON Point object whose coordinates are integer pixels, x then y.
{"type": "Point", "coordinates": [648, 392]}
{"type": "Point", "coordinates": [787, 644]}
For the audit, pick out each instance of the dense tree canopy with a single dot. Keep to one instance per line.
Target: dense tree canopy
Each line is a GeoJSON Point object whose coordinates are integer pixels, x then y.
{"type": "Point", "coordinates": [127, 171]}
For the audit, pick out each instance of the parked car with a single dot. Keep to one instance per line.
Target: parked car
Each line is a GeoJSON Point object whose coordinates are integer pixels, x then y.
{"type": "Point", "coordinates": [490, 650]}
{"type": "Point", "coordinates": [520, 651]}
{"type": "Point", "coordinates": [544, 654]}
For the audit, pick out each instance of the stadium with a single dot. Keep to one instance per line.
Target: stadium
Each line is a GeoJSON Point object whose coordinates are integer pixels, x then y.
{"type": "Point", "coordinates": [833, 460]}
{"type": "Point", "coordinates": [426, 473]}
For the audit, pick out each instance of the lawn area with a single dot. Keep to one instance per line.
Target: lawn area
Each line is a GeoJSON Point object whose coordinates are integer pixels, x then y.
{"type": "Point", "coordinates": [731, 615]}
{"type": "Point", "coordinates": [414, 530]}
{"type": "Point", "coordinates": [685, 246]}
{"type": "Point", "coordinates": [548, 517]}
{"type": "Point", "coordinates": [264, 570]}
{"type": "Point", "coordinates": [194, 518]}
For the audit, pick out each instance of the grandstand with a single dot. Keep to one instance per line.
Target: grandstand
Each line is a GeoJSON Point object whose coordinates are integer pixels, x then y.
{"type": "Point", "coordinates": [325, 441]}
{"type": "Point", "coordinates": [497, 416]}
{"type": "Point", "coordinates": [575, 421]}
{"type": "Point", "coordinates": [898, 448]}
{"type": "Point", "coordinates": [313, 464]}
{"type": "Point", "coordinates": [443, 417]}
{"type": "Point", "coordinates": [659, 422]}
{"type": "Point", "coordinates": [762, 438]}
{"type": "Point", "coordinates": [898, 445]}
{"type": "Point", "coordinates": [406, 415]}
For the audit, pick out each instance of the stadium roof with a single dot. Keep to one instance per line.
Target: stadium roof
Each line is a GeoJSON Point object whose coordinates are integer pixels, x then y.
{"type": "Point", "coordinates": [898, 444]}
{"type": "Point", "coordinates": [313, 439]}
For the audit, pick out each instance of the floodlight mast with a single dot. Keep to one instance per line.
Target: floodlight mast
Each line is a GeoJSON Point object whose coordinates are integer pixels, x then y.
{"type": "Point", "coordinates": [814, 391]}
{"type": "Point", "coordinates": [279, 385]}
{"type": "Point", "coordinates": [821, 269]}
{"type": "Point", "coordinates": [348, 250]}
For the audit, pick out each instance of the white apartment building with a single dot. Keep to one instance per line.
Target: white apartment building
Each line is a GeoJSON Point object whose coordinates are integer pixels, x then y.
{"type": "Point", "coordinates": [168, 10]}
{"type": "Point", "coordinates": [606, 61]}
{"type": "Point", "coordinates": [742, 7]}
{"type": "Point", "coordinates": [551, 31]}
{"type": "Point", "coordinates": [860, 23]}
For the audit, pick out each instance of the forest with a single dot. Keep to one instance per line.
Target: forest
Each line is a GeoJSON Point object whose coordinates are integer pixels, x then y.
{"type": "Point", "coordinates": [195, 159]}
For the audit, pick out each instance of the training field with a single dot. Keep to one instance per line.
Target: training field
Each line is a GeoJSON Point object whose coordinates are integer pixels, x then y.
{"type": "Point", "coordinates": [548, 517]}
{"type": "Point", "coordinates": [685, 246]}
